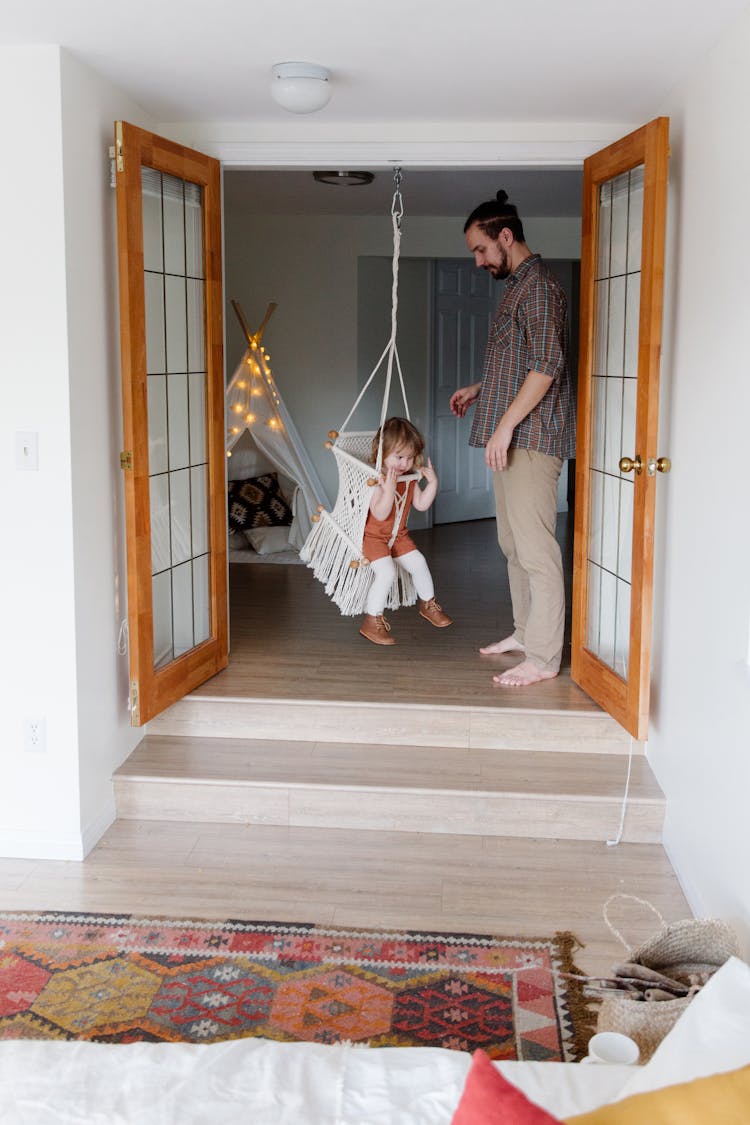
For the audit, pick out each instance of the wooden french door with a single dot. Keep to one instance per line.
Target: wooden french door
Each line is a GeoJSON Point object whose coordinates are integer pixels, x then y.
{"type": "Point", "coordinates": [622, 272]}
{"type": "Point", "coordinates": [169, 257]}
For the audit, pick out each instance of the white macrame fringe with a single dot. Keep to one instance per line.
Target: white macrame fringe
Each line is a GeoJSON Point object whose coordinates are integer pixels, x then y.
{"type": "Point", "coordinates": [329, 554]}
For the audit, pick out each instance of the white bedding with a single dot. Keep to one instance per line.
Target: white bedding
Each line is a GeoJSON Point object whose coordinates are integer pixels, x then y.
{"type": "Point", "coordinates": [260, 1082]}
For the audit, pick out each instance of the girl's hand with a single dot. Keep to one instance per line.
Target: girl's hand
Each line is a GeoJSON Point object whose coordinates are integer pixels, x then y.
{"type": "Point", "coordinates": [391, 475]}
{"type": "Point", "coordinates": [428, 472]}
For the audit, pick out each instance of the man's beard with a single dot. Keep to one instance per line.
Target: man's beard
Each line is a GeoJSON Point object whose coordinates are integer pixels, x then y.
{"type": "Point", "coordinates": [502, 270]}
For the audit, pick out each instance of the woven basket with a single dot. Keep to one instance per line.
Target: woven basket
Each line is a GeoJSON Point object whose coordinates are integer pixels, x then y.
{"type": "Point", "coordinates": [679, 950]}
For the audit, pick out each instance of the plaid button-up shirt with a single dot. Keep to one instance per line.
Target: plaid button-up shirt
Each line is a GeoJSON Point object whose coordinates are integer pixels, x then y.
{"type": "Point", "coordinates": [529, 333]}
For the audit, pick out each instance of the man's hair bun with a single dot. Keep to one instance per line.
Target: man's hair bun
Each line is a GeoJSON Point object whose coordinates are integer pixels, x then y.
{"type": "Point", "coordinates": [502, 197]}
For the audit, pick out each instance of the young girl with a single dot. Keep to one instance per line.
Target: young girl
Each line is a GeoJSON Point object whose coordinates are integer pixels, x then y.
{"type": "Point", "coordinates": [402, 450]}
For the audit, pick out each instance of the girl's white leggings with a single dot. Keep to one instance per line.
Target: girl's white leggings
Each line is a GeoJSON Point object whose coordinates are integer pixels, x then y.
{"type": "Point", "coordinates": [384, 571]}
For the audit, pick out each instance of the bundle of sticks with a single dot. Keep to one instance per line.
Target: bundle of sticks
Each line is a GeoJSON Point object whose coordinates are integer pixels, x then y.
{"type": "Point", "coordinates": [638, 982]}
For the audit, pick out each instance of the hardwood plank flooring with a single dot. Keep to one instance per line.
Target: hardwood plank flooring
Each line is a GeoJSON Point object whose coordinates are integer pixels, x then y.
{"type": "Point", "coordinates": [289, 641]}
{"type": "Point", "coordinates": [334, 877]}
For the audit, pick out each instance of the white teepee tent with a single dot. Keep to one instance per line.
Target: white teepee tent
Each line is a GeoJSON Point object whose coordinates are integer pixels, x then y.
{"type": "Point", "coordinates": [262, 437]}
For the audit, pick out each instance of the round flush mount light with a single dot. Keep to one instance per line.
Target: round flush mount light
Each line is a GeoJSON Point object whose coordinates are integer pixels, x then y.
{"type": "Point", "coordinates": [300, 87]}
{"type": "Point", "coordinates": [344, 179]}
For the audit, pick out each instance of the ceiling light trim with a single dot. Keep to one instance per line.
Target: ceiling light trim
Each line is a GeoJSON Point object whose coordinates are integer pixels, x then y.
{"type": "Point", "coordinates": [343, 178]}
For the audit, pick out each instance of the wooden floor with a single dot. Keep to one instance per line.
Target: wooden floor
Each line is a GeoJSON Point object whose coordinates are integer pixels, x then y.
{"type": "Point", "coordinates": [289, 641]}
{"type": "Point", "coordinates": [335, 877]}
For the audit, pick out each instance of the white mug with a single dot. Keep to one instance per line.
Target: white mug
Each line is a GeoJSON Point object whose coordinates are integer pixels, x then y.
{"type": "Point", "coordinates": [612, 1047]}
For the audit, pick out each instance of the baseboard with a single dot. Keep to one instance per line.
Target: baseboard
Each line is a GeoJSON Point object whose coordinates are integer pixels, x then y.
{"type": "Point", "coordinates": [35, 845]}
{"type": "Point", "coordinates": [95, 829]}
{"type": "Point", "coordinates": [695, 898]}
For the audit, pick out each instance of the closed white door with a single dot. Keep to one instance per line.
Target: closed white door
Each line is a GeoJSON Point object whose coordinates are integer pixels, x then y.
{"type": "Point", "coordinates": [465, 302]}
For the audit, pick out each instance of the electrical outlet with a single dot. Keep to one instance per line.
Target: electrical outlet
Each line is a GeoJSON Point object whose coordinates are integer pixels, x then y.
{"type": "Point", "coordinates": [35, 735]}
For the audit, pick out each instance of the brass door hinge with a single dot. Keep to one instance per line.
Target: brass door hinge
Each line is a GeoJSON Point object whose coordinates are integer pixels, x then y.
{"type": "Point", "coordinates": [133, 703]}
{"type": "Point", "coordinates": [126, 459]}
{"type": "Point", "coordinates": [119, 161]}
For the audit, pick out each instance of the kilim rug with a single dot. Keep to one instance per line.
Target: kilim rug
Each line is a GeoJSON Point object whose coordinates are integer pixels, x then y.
{"type": "Point", "coordinates": [120, 979]}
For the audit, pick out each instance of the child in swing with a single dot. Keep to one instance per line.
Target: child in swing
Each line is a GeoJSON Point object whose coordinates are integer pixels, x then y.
{"type": "Point", "coordinates": [389, 508]}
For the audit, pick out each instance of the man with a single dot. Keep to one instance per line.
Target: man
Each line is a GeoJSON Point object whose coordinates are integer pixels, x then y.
{"type": "Point", "coordinates": [525, 419]}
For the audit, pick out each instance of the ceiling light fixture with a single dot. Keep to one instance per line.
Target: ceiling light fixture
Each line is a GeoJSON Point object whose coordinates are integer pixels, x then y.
{"type": "Point", "coordinates": [300, 87]}
{"type": "Point", "coordinates": [347, 179]}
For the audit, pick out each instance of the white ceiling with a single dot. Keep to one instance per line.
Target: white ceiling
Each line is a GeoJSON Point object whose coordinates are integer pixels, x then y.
{"type": "Point", "coordinates": [434, 61]}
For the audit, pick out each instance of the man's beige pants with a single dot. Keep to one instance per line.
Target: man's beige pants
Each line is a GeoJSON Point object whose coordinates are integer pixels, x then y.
{"type": "Point", "coordinates": [526, 509]}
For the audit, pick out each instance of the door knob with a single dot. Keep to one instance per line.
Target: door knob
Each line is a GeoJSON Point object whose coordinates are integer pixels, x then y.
{"type": "Point", "coordinates": [627, 464]}
{"type": "Point", "coordinates": [658, 465]}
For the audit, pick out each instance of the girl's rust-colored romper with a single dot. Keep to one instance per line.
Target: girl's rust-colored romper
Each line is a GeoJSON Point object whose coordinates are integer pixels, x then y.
{"type": "Point", "coordinates": [378, 532]}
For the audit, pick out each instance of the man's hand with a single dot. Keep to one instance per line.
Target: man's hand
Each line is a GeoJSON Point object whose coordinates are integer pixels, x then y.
{"type": "Point", "coordinates": [496, 450]}
{"type": "Point", "coordinates": [463, 398]}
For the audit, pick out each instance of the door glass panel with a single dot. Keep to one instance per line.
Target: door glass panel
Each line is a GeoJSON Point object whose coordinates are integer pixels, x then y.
{"type": "Point", "coordinates": [161, 551]}
{"type": "Point", "coordinates": [176, 326]}
{"type": "Point", "coordinates": [182, 607]}
{"type": "Point", "coordinates": [179, 514]}
{"type": "Point", "coordinates": [156, 356]}
{"type": "Point", "coordinates": [179, 437]}
{"type": "Point", "coordinates": [201, 618]}
{"type": "Point", "coordinates": [617, 296]}
{"type": "Point", "coordinates": [178, 451]}
{"type": "Point", "coordinates": [158, 457]}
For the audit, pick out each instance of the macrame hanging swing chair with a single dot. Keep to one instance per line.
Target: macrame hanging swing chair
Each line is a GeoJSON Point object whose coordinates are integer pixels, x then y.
{"type": "Point", "coordinates": [333, 549]}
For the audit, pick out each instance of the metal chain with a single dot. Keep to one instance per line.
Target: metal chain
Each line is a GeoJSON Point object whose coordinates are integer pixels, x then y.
{"type": "Point", "coordinates": [397, 206]}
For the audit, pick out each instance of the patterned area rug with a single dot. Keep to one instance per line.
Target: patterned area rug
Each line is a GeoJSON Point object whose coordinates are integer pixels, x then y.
{"type": "Point", "coordinates": [120, 979]}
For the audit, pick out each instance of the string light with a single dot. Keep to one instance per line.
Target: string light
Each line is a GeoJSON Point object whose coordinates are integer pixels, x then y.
{"type": "Point", "coordinates": [229, 453]}
{"type": "Point", "coordinates": [235, 429]}
{"type": "Point", "coordinates": [237, 408]}
{"type": "Point", "coordinates": [250, 419]}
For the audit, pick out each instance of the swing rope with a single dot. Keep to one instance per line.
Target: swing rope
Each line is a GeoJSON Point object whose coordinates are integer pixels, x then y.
{"type": "Point", "coordinates": [390, 350]}
{"type": "Point", "coordinates": [333, 549]}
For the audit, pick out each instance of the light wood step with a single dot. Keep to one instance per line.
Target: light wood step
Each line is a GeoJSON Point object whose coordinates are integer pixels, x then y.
{"type": "Point", "coordinates": [440, 789]}
{"type": "Point", "coordinates": [470, 727]}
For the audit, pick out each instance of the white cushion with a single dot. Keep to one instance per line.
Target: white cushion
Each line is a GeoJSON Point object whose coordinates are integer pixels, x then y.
{"type": "Point", "coordinates": [237, 541]}
{"type": "Point", "coordinates": [268, 540]}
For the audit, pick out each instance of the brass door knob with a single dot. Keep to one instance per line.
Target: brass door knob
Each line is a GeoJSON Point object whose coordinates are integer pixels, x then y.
{"type": "Point", "coordinates": [627, 464]}
{"type": "Point", "coordinates": [658, 465]}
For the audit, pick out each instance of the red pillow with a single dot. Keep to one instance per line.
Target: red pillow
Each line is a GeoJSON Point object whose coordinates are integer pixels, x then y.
{"type": "Point", "coordinates": [489, 1099]}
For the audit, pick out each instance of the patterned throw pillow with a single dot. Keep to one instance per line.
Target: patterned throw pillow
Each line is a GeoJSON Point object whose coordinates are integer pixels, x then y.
{"type": "Point", "coordinates": [257, 502]}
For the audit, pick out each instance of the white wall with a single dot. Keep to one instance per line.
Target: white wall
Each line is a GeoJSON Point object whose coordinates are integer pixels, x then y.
{"type": "Point", "coordinates": [90, 105]}
{"type": "Point", "coordinates": [309, 265]}
{"type": "Point", "coordinates": [64, 578]}
{"type": "Point", "coordinates": [700, 734]}
{"type": "Point", "coordinates": [39, 801]}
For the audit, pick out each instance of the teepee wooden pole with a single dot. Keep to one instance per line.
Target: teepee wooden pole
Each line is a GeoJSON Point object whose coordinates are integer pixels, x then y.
{"type": "Point", "coordinates": [253, 338]}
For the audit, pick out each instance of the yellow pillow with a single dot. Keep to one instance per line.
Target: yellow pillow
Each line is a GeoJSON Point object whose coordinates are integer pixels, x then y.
{"type": "Point", "coordinates": [721, 1099]}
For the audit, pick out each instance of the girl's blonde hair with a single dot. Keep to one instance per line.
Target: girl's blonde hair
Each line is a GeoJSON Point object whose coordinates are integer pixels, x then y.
{"type": "Point", "coordinates": [398, 432]}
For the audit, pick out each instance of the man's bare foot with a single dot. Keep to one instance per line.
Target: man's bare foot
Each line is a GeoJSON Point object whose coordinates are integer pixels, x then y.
{"type": "Point", "coordinates": [522, 675]}
{"type": "Point", "coordinates": [507, 644]}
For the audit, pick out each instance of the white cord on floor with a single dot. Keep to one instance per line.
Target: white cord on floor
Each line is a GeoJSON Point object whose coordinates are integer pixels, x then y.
{"type": "Point", "coordinates": [618, 838]}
